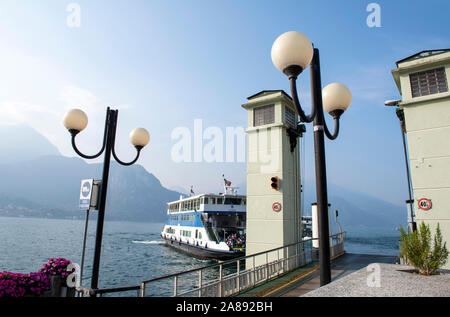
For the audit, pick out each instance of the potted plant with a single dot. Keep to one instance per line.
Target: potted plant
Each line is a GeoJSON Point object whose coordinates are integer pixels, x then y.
{"type": "Point", "coordinates": [417, 250]}
{"type": "Point", "coordinates": [56, 269]}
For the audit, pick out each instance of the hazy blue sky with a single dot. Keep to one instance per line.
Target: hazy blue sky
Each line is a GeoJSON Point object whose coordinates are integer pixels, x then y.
{"type": "Point", "coordinates": [164, 63]}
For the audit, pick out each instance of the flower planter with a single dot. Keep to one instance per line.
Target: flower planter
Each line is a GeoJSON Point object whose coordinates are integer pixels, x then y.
{"type": "Point", "coordinates": [56, 269]}
{"type": "Point", "coordinates": [59, 288]}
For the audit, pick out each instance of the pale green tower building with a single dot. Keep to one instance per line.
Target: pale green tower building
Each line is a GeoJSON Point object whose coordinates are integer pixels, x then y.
{"type": "Point", "coordinates": [273, 214]}
{"type": "Point", "coordinates": [422, 80]}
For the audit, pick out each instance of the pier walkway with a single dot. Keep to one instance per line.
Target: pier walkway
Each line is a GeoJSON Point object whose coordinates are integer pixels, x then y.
{"type": "Point", "coordinates": [306, 279]}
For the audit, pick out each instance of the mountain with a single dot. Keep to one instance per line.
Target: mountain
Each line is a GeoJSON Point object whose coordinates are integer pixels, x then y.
{"type": "Point", "coordinates": [15, 145]}
{"type": "Point", "coordinates": [179, 189]}
{"type": "Point", "coordinates": [37, 181]}
{"type": "Point", "coordinates": [49, 186]}
{"type": "Point", "coordinates": [54, 181]}
{"type": "Point", "coordinates": [356, 211]}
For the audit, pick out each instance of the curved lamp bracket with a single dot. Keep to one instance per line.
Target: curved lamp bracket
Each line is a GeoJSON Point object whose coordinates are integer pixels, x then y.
{"type": "Point", "coordinates": [336, 114]}
{"type": "Point", "coordinates": [74, 146]}
{"type": "Point", "coordinates": [336, 129]}
{"type": "Point", "coordinates": [301, 113]}
{"type": "Point", "coordinates": [138, 148]}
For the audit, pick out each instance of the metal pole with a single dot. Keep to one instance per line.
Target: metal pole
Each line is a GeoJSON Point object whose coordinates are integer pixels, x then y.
{"type": "Point", "coordinates": [200, 283]}
{"type": "Point", "coordinates": [238, 275]}
{"type": "Point", "coordinates": [175, 286]}
{"type": "Point", "coordinates": [84, 247]}
{"type": "Point", "coordinates": [321, 176]}
{"type": "Point", "coordinates": [220, 279]}
{"type": "Point", "coordinates": [110, 123]}
{"type": "Point", "coordinates": [402, 122]}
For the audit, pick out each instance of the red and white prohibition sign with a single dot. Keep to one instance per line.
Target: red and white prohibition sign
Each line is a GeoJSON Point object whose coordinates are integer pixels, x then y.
{"type": "Point", "coordinates": [276, 207]}
{"type": "Point", "coordinates": [424, 204]}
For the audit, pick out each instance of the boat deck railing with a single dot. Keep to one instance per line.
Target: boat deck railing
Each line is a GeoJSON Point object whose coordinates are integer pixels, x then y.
{"type": "Point", "coordinates": [230, 277]}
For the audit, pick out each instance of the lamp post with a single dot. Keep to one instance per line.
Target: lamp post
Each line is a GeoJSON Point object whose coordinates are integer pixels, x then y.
{"type": "Point", "coordinates": [76, 121]}
{"type": "Point", "coordinates": [401, 118]}
{"type": "Point", "coordinates": [292, 52]}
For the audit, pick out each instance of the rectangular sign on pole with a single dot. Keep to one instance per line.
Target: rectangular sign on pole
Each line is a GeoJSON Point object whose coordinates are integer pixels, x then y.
{"type": "Point", "coordinates": [86, 193]}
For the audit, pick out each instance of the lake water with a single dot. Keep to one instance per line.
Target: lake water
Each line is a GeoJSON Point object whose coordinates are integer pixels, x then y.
{"type": "Point", "coordinates": [131, 251]}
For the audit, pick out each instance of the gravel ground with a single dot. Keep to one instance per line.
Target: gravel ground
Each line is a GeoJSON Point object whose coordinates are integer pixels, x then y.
{"type": "Point", "coordinates": [386, 280]}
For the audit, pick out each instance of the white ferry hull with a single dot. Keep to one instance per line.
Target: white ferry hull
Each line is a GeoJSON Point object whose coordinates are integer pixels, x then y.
{"type": "Point", "coordinates": [203, 252]}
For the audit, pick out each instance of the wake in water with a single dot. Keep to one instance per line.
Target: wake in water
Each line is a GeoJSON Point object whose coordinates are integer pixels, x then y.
{"type": "Point", "coordinates": [148, 242]}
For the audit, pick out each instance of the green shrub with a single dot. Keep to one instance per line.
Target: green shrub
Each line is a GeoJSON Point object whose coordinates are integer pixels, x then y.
{"type": "Point", "coordinates": [416, 249]}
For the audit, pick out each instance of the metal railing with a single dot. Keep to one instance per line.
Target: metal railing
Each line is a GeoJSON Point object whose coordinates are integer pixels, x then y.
{"type": "Point", "coordinates": [231, 277]}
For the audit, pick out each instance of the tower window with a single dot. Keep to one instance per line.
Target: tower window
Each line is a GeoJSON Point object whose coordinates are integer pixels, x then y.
{"type": "Point", "coordinates": [264, 115]}
{"type": "Point", "coordinates": [428, 82]}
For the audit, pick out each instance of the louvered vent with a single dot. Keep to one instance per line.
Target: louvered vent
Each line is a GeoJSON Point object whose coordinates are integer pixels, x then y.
{"type": "Point", "coordinates": [290, 118]}
{"type": "Point", "coordinates": [429, 82]}
{"type": "Point", "coordinates": [264, 115]}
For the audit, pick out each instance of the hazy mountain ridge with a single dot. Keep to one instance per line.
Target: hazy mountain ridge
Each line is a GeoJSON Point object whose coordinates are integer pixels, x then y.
{"type": "Point", "coordinates": [49, 186]}
{"type": "Point", "coordinates": [356, 210]}
{"type": "Point", "coordinates": [42, 184]}
{"type": "Point", "coordinates": [15, 145]}
{"type": "Point", "coordinates": [359, 211]}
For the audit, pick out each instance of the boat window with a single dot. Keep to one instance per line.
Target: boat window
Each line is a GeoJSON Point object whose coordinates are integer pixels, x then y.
{"type": "Point", "coordinates": [206, 200]}
{"type": "Point", "coordinates": [232, 201]}
{"type": "Point", "coordinates": [187, 217]}
{"type": "Point", "coordinates": [186, 233]}
{"type": "Point", "coordinates": [213, 201]}
{"type": "Point", "coordinates": [219, 201]}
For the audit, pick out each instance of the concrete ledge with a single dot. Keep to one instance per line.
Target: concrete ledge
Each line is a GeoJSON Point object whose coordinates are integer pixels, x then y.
{"type": "Point", "coordinates": [386, 280]}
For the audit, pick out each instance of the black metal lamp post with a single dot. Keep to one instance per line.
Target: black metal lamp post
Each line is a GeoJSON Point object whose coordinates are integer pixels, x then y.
{"type": "Point", "coordinates": [75, 121]}
{"type": "Point", "coordinates": [401, 118]}
{"type": "Point", "coordinates": [292, 52]}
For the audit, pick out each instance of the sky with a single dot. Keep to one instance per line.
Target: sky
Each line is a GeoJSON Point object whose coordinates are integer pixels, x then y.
{"type": "Point", "coordinates": [167, 63]}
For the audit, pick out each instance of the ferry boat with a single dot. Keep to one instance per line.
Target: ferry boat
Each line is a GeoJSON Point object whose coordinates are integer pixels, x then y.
{"type": "Point", "coordinates": [208, 226]}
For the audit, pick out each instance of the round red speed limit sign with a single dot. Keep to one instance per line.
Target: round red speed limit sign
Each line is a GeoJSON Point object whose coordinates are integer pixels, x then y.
{"type": "Point", "coordinates": [424, 204]}
{"type": "Point", "coordinates": [276, 207]}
